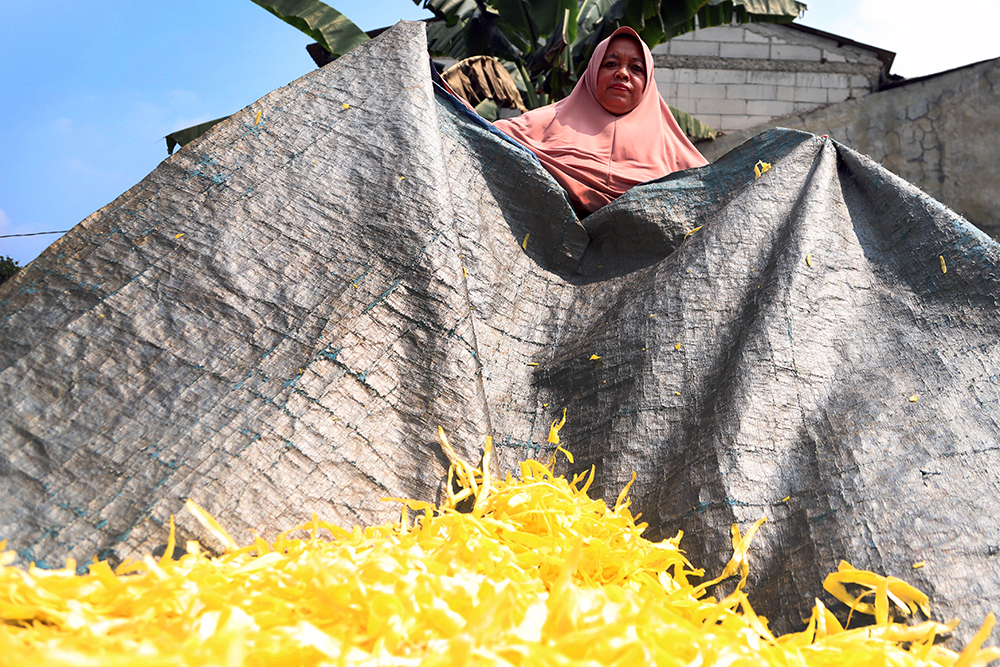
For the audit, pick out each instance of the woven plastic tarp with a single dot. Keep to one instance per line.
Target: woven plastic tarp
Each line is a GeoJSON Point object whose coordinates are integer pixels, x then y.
{"type": "Point", "coordinates": [275, 321]}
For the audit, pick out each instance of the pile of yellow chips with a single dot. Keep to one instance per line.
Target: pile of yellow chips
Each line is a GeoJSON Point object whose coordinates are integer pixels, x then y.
{"type": "Point", "coordinates": [536, 573]}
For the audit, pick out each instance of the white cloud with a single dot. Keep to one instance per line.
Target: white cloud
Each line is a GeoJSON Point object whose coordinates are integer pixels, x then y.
{"type": "Point", "coordinates": [62, 125]}
{"type": "Point", "coordinates": [4, 222]}
{"type": "Point", "coordinates": [183, 109]}
{"type": "Point", "coordinates": [81, 168]}
{"type": "Point", "coordinates": [925, 38]}
{"type": "Point", "coordinates": [185, 99]}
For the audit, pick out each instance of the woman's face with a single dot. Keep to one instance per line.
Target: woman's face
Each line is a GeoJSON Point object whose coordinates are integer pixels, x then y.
{"type": "Point", "coordinates": [622, 76]}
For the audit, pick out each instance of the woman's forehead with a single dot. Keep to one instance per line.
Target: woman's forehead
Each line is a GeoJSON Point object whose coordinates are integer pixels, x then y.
{"type": "Point", "coordinates": [624, 46]}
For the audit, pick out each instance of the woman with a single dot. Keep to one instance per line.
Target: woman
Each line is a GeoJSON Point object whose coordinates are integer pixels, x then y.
{"type": "Point", "coordinates": [613, 132]}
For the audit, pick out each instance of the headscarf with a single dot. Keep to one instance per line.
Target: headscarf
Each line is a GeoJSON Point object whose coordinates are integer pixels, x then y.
{"type": "Point", "coordinates": [594, 154]}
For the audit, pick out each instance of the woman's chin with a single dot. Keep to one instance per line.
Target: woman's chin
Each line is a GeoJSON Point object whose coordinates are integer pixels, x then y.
{"type": "Point", "coordinates": [619, 109]}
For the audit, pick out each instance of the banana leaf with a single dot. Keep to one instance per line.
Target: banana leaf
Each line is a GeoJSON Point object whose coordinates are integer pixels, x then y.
{"type": "Point", "coordinates": [533, 21]}
{"type": "Point", "coordinates": [593, 12]}
{"type": "Point", "coordinates": [447, 40]}
{"type": "Point", "coordinates": [678, 15]}
{"type": "Point", "coordinates": [452, 11]}
{"type": "Point", "coordinates": [181, 137]}
{"type": "Point", "coordinates": [692, 127]}
{"type": "Point", "coordinates": [332, 30]}
{"type": "Point", "coordinates": [488, 109]}
{"type": "Point", "coordinates": [768, 7]}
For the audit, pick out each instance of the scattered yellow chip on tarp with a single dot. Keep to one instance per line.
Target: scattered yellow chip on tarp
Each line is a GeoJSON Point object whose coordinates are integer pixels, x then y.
{"type": "Point", "coordinates": [691, 232]}
{"type": "Point", "coordinates": [554, 429]}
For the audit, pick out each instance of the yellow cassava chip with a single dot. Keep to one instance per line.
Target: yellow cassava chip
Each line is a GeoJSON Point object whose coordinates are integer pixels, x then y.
{"type": "Point", "coordinates": [554, 429]}
{"type": "Point", "coordinates": [537, 573]}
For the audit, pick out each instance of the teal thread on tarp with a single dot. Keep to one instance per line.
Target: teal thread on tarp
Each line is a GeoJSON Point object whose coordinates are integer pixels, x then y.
{"type": "Point", "coordinates": [355, 281]}
{"type": "Point", "coordinates": [531, 447]}
{"type": "Point", "coordinates": [409, 269]}
{"type": "Point", "coordinates": [329, 356]}
{"type": "Point", "coordinates": [382, 296]}
{"type": "Point", "coordinates": [173, 465]}
{"type": "Point", "coordinates": [78, 511]}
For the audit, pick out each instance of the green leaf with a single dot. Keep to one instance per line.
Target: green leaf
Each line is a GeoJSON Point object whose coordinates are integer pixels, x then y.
{"type": "Point", "coordinates": [691, 126]}
{"type": "Point", "coordinates": [678, 15]}
{"type": "Point", "coordinates": [488, 109]}
{"type": "Point", "coordinates": [332, 30]}
{"type": "Point", "coordinates": [638, 11]}
{"type": "Point", "coordinates": [654, 32]}
{"type": "Point", "coordinates": [574, 16]}
{"type": "Point", "coordinates": [181, 137]}
{"type": "Point", "coordinates": [472, 30]}
{"type": "Point", "coordinates": [447, 40]}
{"type": "Point", "coordinates": [775, 8]}
{"type": "Point", "coordinates": [548, 55]}
{"type": "Point", "coordinates": [452, 11]}
{"type": "Point", "coordinates": [529, 88]}
{"type": "Point", "coordinates": [8, 267]}
{"type": "Point", "coordinates": [537, 18]}
{"type": "Point", "coordinates": [594, 11]}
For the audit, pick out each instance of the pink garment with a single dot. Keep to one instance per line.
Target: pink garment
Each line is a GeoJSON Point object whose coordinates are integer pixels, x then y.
{"type": "Point", "coordinates": [598, 156]}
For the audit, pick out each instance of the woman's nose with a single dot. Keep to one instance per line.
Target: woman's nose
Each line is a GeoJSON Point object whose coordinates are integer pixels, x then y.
{"type": "Point", "coordinates": [622, 73]}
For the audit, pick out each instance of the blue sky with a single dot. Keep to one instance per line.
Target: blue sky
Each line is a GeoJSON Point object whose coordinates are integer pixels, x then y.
{"type": "Point", "coordinates": [88, 90]}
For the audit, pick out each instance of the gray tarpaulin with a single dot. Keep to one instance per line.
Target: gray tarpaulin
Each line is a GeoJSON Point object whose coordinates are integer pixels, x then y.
{"type": "Point", "coordinates": [275, 321]}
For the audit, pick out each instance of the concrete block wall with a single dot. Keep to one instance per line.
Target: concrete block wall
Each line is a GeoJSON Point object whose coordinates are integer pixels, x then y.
{"type": "Point", "coordinates": [739, 76]}
{"type": "Point", "coordinates": [938, 132]}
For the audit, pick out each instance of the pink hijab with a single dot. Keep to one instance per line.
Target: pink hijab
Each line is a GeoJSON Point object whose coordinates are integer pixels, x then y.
{"type": "Point", "coordinates": [598, 156]}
